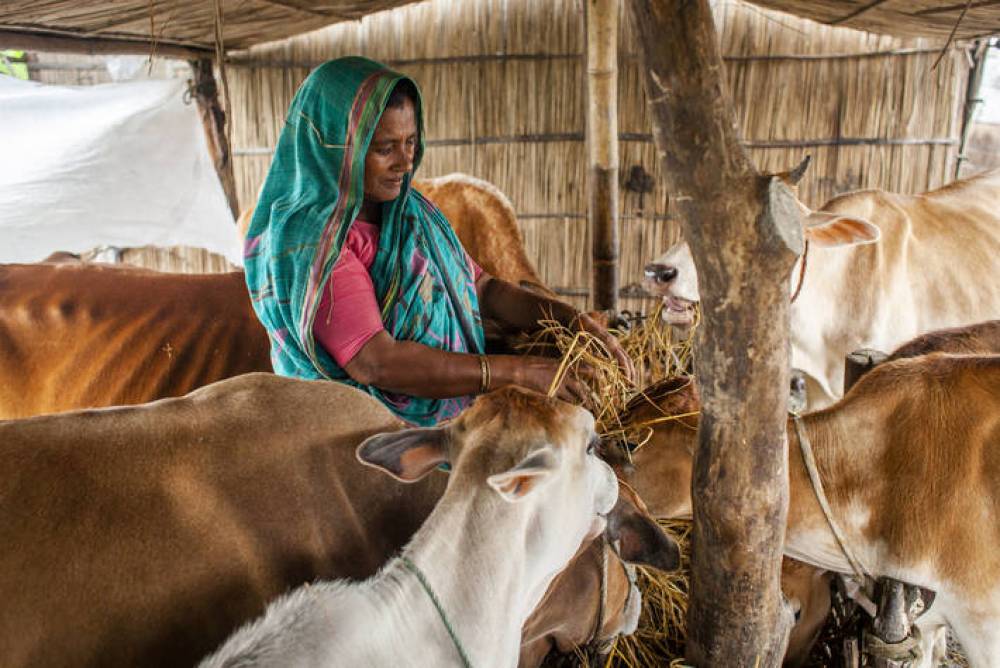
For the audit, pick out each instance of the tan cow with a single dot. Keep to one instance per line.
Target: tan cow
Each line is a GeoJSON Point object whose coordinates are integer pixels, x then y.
{"type": "Point", "coordinates": [910, 461]}
{"type": "Point", "coordinates": [144, 535]}
{"type": "Point", "coordinates": [881, 268]}
{"type": "Point", "coordinates": [484, 220]}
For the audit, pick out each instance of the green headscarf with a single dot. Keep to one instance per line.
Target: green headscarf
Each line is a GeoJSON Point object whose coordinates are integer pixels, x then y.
{"type": "Point", "coordinates": [310, 198]}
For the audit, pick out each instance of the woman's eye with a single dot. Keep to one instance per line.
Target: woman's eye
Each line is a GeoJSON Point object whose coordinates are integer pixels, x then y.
{"type": "Point", "coordinates": [384, 151]}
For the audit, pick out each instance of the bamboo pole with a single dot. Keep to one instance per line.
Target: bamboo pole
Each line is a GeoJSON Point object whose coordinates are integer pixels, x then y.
{"type": "Point", "coordinates": [744, 233]}
{"type": "Point", "coordinates": [972, 99]}
{"type": "Point", "coordinates": [213, 118]}
{"type": "Point", "coordinates": [64, 43]}
{"type": "Point", "coordinates": [601, 18]}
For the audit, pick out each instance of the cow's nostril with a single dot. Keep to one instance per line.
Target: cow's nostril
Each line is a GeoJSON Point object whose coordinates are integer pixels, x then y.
{"type": "Point", "coordinates": [661, 273]}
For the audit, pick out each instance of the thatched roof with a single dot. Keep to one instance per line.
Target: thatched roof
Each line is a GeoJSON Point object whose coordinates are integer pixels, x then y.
{"type": "Point", "coordinates": [908, 18]}
{"type": "Point", "coordinates": [187, 27]}
{"type": "Point", "coordinates": [174, 25]}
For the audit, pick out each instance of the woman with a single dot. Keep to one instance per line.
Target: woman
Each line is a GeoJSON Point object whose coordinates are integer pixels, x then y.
{"type": "Point", "coordinates": [360, 279]}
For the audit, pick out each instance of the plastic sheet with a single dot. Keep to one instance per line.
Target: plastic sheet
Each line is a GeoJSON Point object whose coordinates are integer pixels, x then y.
{"type": "Point", "coordinates": [122, 164]}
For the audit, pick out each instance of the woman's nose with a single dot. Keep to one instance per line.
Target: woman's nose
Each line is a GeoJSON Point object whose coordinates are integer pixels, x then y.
{"type": "Point", "coordinates": [404, 161]}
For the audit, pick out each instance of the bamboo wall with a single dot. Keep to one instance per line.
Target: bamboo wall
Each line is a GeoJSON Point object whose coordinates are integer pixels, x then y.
{"type": "Point", "coordinates": [503, 82]}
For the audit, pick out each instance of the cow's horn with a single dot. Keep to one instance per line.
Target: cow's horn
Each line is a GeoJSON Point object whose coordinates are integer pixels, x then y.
{"type": "Point", "coordinates": [796, 174]}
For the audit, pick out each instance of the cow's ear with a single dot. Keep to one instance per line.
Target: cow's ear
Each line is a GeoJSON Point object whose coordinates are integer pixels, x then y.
{"type": "Point", "coordinates": [408, 454]}
{"type": "Point", "coordinates": [637, 537]}
{"type": "Point", "coordinates": [829, 230]}
{"type": "Point", "coordinates": [516, 483]}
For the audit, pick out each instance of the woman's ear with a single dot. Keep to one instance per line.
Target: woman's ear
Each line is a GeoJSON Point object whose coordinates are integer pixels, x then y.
{"type": "Point", "coordinates": [407, 455]}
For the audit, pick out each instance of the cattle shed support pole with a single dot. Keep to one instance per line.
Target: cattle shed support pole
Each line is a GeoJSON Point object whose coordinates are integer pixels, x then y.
{"type": "Point", "coordinates": [601, 18]}
{"type": "Point", "coordinates": [213, 118]}
{"type": "Point", "coordinates": [744, 232]}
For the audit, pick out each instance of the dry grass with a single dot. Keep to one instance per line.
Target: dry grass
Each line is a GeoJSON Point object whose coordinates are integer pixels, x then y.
{"type": "Point", "coordinates": [662, 633]}
{"type": "Point", "coordinates": [660, 637]}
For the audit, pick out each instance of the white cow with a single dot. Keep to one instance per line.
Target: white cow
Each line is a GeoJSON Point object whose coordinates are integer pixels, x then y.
{"type": "Point", "coordinates": [881, 268]}
{"type": "Point", "coordinates": [526, 490]}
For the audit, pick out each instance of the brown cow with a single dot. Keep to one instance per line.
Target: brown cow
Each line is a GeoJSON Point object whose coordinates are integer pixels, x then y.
{"type": "Point", "coordinates": [910, 461]}
{"type": "Point", "coordinates": [144, 535]}
{"type": "Point", "coordinates": [978, 339]}
{"type": "Point", "coordinates": [91, 335]}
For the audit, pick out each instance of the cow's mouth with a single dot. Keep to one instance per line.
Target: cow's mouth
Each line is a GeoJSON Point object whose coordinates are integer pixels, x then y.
{"type": "Point", "coordinates": [677, 311]}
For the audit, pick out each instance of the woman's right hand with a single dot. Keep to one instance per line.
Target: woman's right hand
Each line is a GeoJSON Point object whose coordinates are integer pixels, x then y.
{"type": "Point", "coordinates": [536, 373]}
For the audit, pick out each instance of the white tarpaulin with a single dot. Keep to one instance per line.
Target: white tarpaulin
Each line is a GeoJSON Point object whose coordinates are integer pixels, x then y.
{"type": "Point", "coordinates": [122, 164]}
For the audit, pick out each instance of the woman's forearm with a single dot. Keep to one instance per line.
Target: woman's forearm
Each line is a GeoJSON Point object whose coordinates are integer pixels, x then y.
{"type": "Point", "coordinates": [412, 368]}
{"type": "Point", "coordinates": [519, 309]}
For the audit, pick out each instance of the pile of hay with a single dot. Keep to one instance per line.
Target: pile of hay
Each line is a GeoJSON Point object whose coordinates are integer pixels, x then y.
{"type": "Point", "coordinates": [656, 353]}
{"type": "Point", "coordinates": [662, 634]}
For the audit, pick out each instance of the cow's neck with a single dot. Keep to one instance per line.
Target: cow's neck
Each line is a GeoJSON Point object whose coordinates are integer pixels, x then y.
{"type": "Point", "coordinates": [844, 474]}
{"type": "Point", "coordinates": [471, 554]}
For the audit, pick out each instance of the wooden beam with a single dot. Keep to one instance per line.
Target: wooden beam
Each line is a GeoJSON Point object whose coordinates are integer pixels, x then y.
{"type": "Point", "coordinates": [286, 4]}
{"type": "Point", "coordinates": [744, 233]}
{"type": "Point", "coordinates": [857, 12]}
{"type": "Point", "coordinates": [601, 19]}
{"type": "Point", "coordinates": [39, 41]}
{"type": "Point", "coordinates": [213, 118]}
{"type": "Point", "coordinates": [947, 9]}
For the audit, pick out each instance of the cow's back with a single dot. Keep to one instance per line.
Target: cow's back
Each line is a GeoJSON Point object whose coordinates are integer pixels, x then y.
{"type": "Point", "coordinates": [82, 335]}
{"type": "Point", "coordinates": [144, 535]}
{"type": "Point", "coordinates": [935, 266]}
{"type": "Point", "coordinates": [485, 222]}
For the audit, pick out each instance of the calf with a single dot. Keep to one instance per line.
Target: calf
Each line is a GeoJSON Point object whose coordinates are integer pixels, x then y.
{"type": "Point", "coordinates": [526, 489]}
{"type": "Point", "coordinates": [144, 535]}
{"type": "Point", "coordinates": [910, 462]}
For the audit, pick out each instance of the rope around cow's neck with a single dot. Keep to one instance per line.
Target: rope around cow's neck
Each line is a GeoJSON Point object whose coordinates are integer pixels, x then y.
{"type": "Point", "coordinates": [817, 485]}
{"type": "Point", "coordinates": [802, 273]}
{"type": "Point", "coordinates": [440, 609]}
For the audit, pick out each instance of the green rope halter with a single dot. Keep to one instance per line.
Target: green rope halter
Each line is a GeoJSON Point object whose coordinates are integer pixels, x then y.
{"type": "Point", "coordinates": [440, 610]}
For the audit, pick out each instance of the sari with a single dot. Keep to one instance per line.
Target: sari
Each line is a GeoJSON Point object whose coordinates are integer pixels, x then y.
{"type": "Point", "coordinates": [311, 196]}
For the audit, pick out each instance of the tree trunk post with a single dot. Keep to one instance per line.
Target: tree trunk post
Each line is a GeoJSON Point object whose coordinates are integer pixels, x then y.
{"type": "Point", "coordinates": [744, 232]}
{"type": "Point", "coordinates": [601, 19]}
{"type": "Point", "coordinates": [213, 118]}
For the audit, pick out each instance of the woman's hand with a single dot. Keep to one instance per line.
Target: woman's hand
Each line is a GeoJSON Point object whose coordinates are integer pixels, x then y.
{"type": "Point", "coordinates": [537, 373]}
{"type": "Point", "coordinates": [588, 324]}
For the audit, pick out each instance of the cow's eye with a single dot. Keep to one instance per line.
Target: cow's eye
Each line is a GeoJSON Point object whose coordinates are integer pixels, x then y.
{"type": "Point", "coordinates": [592, 446]}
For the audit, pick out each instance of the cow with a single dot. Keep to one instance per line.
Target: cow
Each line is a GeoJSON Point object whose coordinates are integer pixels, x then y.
{"type": "Point", "coordinates": [84, 335]}
{"type": "Point", "coordinates": [910, 462]}
{"type": "Point", "coordinates": [976, 339]}
{"type": "Point", "coordinates": [484, 221]}
{"type": "Point", "coordinates": [526, 489]}
{"type": "Point", "coordinates": [91, 335]}
{"type": "Point", "coordinates": [880, 268]}
{"type": "Point", "coordinates": [144, 535]}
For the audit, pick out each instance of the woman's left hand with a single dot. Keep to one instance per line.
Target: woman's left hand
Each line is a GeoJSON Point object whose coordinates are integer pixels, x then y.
{"type": "Point", "coordinates": [588, 324]}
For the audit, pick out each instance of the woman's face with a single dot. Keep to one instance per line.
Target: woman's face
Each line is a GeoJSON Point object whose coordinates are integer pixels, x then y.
{"type": "Point", "coordinates": [390, 154]}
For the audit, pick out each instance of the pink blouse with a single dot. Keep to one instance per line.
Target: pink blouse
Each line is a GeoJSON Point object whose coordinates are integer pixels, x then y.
{"type": "Point", "coordinates": [355, 316]}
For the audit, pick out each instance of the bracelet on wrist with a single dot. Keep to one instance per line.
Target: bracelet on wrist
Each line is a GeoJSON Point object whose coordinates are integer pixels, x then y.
{"type": "Point", "coordinates": [484, 377]}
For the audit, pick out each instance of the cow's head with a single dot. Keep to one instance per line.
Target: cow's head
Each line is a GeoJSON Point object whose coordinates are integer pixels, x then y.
{"type": "Point", "coordinates": [673, 277]}
{"type": "Point", "coordinates": [519, 459]}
